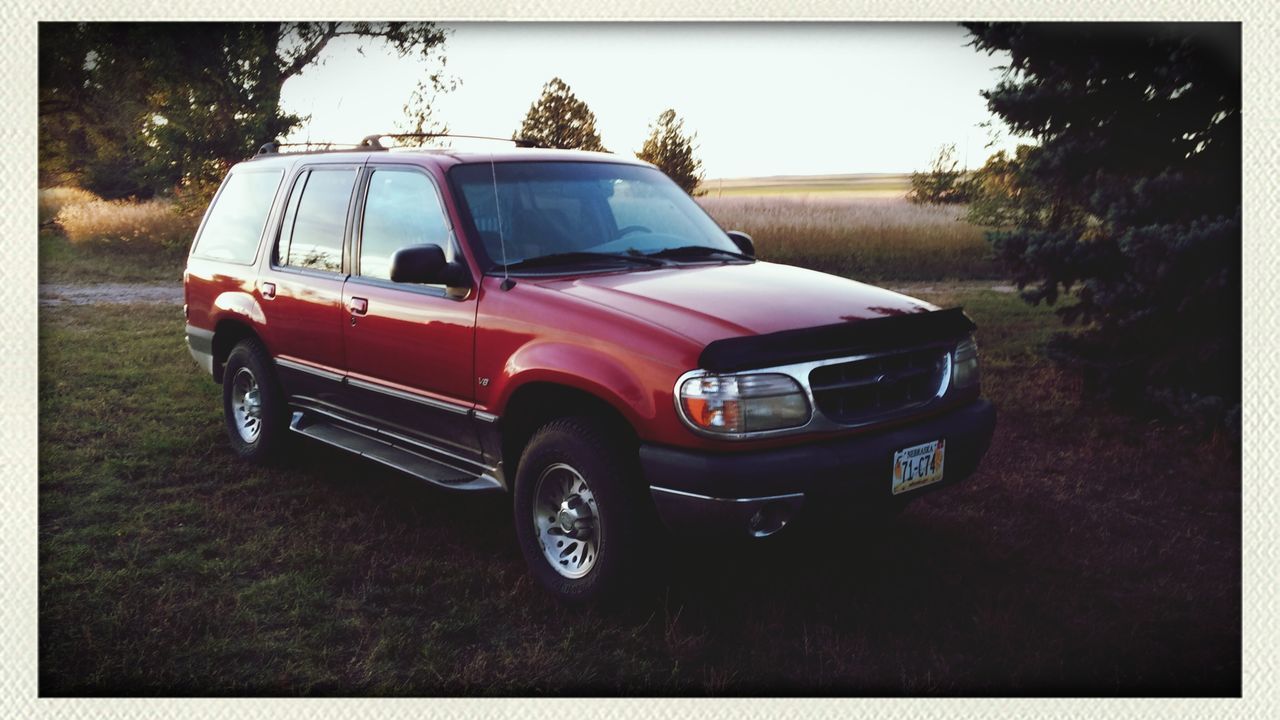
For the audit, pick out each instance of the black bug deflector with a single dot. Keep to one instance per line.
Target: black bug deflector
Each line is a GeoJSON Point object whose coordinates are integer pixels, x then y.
{"type": "Point", "coordinates": [826, 341]}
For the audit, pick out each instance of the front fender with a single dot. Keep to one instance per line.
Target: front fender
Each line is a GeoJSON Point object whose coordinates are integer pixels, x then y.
{"type": "Point", "coordinates": [582, 368]}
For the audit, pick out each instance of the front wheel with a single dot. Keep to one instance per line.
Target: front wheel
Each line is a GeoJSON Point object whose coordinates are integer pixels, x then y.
{"type": "Point", "coordinates": [579, 510]}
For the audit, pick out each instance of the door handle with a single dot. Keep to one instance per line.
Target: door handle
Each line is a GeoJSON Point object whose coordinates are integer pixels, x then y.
{"type": "Point", "coordinates": [358, 305]}
{"type": "Point", "coordinates": [268, 290]}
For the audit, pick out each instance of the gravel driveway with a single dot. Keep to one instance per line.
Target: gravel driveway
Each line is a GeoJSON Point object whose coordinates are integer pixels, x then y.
{"type": "Point", "coordinates": [109, 294]}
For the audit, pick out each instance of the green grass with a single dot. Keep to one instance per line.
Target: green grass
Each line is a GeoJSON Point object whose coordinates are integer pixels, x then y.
{"type": "Point", "coordinates": [1092, 553]}
{"type": "Point", "coordinates": [60, 261]}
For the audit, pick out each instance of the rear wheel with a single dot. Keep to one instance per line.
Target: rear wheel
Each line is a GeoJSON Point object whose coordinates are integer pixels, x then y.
{"type": "Point", "coordinates": [252, 402]}
{"type": "Point", "coordinates": [579, 510]}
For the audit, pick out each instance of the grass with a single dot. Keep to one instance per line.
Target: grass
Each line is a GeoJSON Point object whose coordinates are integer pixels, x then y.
{"type": "Point", "coordinates": [128, 225]}
{"type": "Point", "coordinates": [871, 239]}
{"type": "Point", "coordinates": [62, 262]}
{"type": "Point", "coordinates": [1092, 554]}
{"type": "Point", "coordinates": [84, 239]}
{"type": "Point", "coordinates": [53, 200]}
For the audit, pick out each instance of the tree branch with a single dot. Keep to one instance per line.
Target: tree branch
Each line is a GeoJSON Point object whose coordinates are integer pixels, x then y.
{"type": "Point", "coordinates": [307, 56]}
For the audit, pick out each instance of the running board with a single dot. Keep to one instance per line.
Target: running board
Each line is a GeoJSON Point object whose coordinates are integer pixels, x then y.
{"type": "Point", "coordinates": [370, 444]}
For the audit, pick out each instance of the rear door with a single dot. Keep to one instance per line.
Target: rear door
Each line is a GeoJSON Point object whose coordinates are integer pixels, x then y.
{"type": "Point", "coordinates": [300, 290]}
{"type": "Point", "coordinates": [409, 348]}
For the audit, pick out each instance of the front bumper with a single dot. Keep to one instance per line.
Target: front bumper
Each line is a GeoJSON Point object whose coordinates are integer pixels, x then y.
{"type": "Point", "coordinates": [722, 492]}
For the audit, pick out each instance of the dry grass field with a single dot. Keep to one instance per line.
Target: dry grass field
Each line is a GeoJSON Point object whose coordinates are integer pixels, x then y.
{"type": "Point", "coordinates": [867, 237]}
{"type": "Point", "coordinates": [864, 185]}
{"type": "Point", "coordinates": [125, 226]}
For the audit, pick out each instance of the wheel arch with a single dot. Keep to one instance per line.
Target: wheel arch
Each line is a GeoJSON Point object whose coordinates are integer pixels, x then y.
{"type": "Point", "coordinates": [537, 403]}
{"type": "Point", "coordinates": [228, 333]}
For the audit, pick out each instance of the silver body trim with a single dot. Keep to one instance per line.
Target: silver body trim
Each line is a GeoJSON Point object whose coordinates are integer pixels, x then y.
{"type": "Point", "coordinates": [203, 359]}
{"type": "Point", "coordinates": [411, 397]}
{"type": "Point", "coordinates": [818, 422]}
{"type": "Point", "coordinates": [326, 374]}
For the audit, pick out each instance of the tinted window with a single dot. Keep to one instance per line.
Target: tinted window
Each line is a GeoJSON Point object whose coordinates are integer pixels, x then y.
{"type": "Point", "coordinates": [401, 209]}
{"type": "Point", "coordinates": [235, 223]}
{"type": "Point", "coordinates": [311, 236]}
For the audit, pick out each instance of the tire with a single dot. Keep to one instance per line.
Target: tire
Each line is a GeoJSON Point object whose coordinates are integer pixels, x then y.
{"type": "Point", "coordinates": [604, 508]}
{"type": "Point", "coordinates": [253, 405]}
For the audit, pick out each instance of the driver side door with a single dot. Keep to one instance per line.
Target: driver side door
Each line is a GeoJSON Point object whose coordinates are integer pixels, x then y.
{"type": "Point", "coordinates": [409, 348]}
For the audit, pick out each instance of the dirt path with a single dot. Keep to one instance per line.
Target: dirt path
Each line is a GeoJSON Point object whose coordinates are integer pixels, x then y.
{"type": "Point", "coordinates": [109, 294]}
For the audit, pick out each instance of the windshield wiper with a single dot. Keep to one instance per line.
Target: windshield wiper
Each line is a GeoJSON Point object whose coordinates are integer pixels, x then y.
{"type": "Point", "coordinates": [696, 251]}
{"type": "Point", "coordinates": [576, 258]}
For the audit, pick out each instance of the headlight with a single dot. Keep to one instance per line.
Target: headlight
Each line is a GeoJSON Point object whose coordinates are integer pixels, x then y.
{"type": "Point", "coordinates": [732, 404]}
{"type": "Point", "coordinates": [964, 371]}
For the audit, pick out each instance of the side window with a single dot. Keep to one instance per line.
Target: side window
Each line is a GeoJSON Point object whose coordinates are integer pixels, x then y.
{"type": "Point", "coordinates": [315, 219]}
{"type": "Point", "coordinates": [401, 209]}
{"type": "Point", "coordinates": [240, 211]}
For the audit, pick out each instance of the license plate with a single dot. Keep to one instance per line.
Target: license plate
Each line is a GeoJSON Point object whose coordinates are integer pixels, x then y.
{"type": "Point", "coordinates": [918, 465]}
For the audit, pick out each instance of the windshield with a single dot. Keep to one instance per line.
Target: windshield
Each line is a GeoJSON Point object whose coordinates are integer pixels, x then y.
{"type": "Point", "coordinates": [584, 211]}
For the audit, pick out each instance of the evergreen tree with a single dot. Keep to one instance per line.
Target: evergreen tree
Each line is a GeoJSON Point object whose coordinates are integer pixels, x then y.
{"type": "Point", "coordinates": [671, 150]}
{"type": "Point", "coordinates": [1128, 210]}
{"type": "Point", "coordinates": [558, 119]}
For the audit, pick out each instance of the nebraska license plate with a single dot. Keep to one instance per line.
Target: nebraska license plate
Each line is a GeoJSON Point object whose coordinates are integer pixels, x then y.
{"type": "Point", "coordinates": [918, 465]}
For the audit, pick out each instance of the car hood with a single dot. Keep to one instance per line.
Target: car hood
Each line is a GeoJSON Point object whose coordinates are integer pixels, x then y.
{"type": "Point", "coordinates": [708, 302]}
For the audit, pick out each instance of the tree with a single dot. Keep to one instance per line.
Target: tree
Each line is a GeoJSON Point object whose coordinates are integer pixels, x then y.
{"type": "Point", "coordinates": [558, 119]}
{"type": "Point", "coordinates": [672, 151]}
{"type": "Point", "coordinates": [1127, 208]}
{"type": "Point", "coordinates": [132, 108]}
{"type": "Point", "coordinates": [943, 184]}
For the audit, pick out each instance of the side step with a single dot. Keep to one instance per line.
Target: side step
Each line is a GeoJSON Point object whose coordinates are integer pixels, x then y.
{"type": "Point", "coordinates": [370, 444]}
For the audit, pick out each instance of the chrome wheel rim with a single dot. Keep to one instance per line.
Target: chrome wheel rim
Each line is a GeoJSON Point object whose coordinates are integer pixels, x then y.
{"type": "Point", "coordinates": [246, 405]}
{"type": "Point", "coordinates": [567, 520]}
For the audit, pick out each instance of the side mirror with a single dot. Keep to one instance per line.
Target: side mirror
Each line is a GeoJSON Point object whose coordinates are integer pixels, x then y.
{"type": "Point", "coordinates": [426, 264]}
{"type": "Point", "coordinates": [745, 244]}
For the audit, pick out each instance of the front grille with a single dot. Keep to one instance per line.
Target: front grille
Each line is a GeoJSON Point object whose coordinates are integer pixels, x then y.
{"type": "Point", "coordinates": [863, 390]}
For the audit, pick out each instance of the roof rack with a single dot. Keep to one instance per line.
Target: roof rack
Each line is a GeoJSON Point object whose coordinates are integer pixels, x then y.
{"type": "Point", "coordinates": [373, 142]}
{"type": "Point", "coordinates": [273, 148]}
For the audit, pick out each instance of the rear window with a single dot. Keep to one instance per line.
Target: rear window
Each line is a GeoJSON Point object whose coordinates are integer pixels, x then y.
{"type": "Point", "coordinates": [234, 226]}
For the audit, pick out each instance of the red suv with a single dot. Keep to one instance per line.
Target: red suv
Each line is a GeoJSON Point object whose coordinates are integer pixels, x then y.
{"type": "Point", "coordinates": [571, 328]}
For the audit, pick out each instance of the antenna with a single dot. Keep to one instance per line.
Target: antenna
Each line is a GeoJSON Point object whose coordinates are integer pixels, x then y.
{"type": "Point", "coordinates": [507, 282]}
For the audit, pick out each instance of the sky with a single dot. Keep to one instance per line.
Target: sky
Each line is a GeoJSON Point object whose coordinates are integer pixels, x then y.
{"type": "Point", "coordinates": [764, 99]}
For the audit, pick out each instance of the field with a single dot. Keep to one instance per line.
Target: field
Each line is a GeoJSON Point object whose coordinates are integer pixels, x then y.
{"type": "Point", "coordinates": [855, 225]}
{"type": "Point", "coordinates": [1091, 554]}
{"type": "Point", "coordinates": [868, 185]}
{"type": "Point", "coordinates": [866, 238]}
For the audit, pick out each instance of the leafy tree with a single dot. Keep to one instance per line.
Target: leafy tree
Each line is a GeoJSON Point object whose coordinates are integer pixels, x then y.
{"type": "Point", "coordinates": [1127, 208]}
{"type": "Point", "coordinates": [943, 184]}
{"type": "Point", "coordinates": [671, 150]}
{"type": "Point", "coordinates": [132, 108]}
{"type": "Point", "coordinates": [998, 195]}
{"type": "Point", "coordinates": [558, 119]}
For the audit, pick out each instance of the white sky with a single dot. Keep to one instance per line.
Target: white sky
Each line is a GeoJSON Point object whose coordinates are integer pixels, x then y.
{"type": "Point", "coordinates": [764, 99]}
